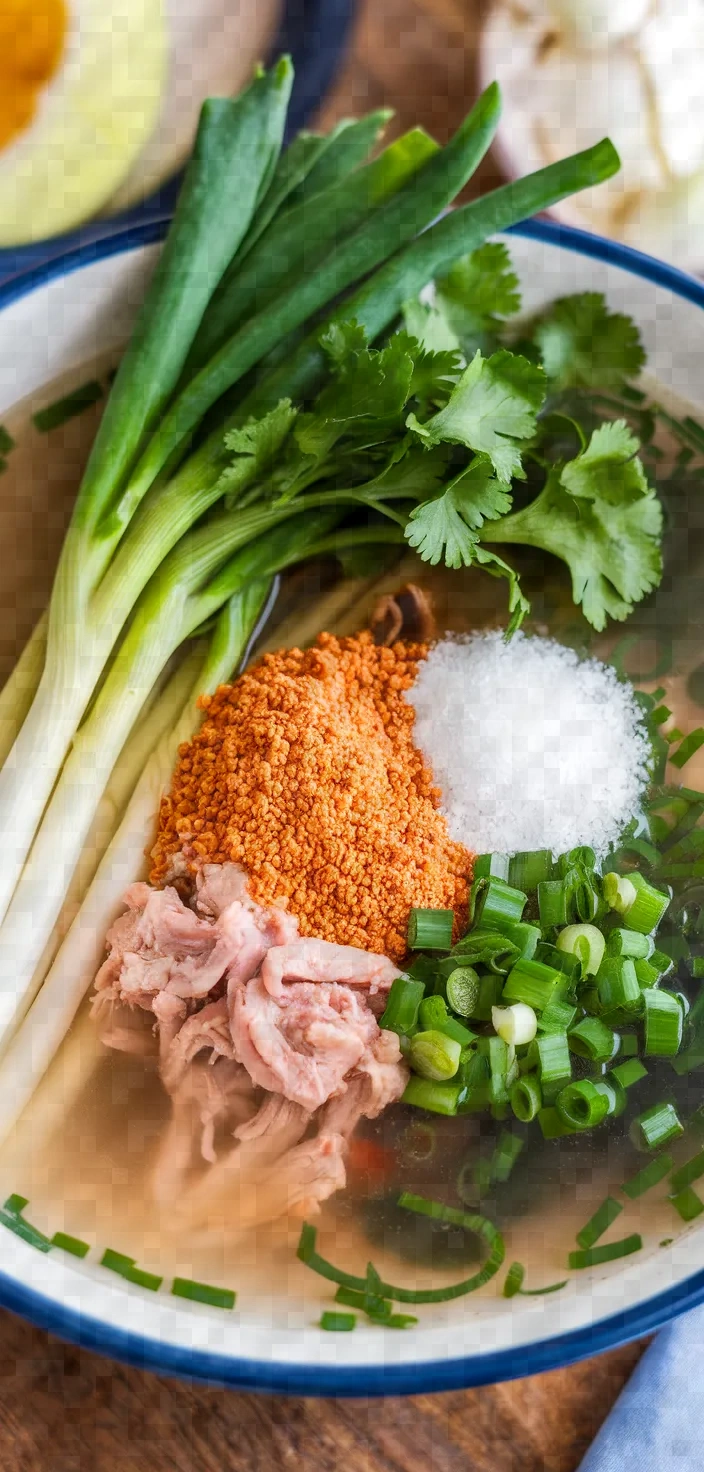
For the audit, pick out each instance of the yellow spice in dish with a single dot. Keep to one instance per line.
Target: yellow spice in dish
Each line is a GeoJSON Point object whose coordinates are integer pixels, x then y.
{"type": "Point", "coordinates": [305, 772]}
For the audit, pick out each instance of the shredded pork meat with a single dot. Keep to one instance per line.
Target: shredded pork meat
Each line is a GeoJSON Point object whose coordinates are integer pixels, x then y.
{"type": "Point", "coordinates": [268, 1044]}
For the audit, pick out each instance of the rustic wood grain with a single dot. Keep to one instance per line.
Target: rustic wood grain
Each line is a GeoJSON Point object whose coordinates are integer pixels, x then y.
{"type": "Point", "coordinates": [66, 1410]}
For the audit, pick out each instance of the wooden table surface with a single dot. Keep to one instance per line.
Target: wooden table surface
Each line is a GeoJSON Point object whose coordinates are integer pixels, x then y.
{"type": "Point", "coordinates": [65, 1410]}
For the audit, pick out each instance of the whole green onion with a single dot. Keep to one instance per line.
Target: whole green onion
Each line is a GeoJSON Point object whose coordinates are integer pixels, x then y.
{"type": "Point", "coordinates": [591, 1038]}
{"type": "Point", "coordinates": [434, 1056]}
{"type": "Point", "coordinates": [525, 1097]}
{"type": "Point", "coordinates": [581, 1105]}
{"type": "Point", "coordinates": [663, 1023]}
{"type": "Point", "coordinates": [402, 1005]}
{"type": "Point", "coordinates": [656, 1126]}
{"type": "Point", "coordinates": [430, 930]}
{"type": "Point", "coordinates": [586, 943]}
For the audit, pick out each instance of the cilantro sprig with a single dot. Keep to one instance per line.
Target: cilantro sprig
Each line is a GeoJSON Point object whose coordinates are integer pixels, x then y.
{"type": "Point", "coordinates": [435, 432]}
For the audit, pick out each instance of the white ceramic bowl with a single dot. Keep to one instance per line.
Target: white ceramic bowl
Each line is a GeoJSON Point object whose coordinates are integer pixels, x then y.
{"type": "Point", "coordinates": [64, 316]}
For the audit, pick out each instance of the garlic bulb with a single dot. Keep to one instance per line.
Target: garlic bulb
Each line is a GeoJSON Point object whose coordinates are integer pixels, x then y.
{"type": "Point", "coordinates": [574, 71]}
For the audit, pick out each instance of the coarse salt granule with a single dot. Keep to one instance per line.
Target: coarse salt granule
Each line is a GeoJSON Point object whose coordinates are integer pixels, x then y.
{"type": "Point", "coordinates": [531, 746]}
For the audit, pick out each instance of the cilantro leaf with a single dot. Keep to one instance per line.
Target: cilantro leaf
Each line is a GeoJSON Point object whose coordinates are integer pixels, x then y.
{"type": "Point", "coordinates": [261, 439]}
{"type": "Point", "coordinates": [608, 469]}
{"type": "Point", "coordinates": [612, 549]}
{"type": "Point", "coordinates": [430, 328]}
{"type": "Point", "coordinates": [491, 410]}
{"type": "Point", "coordinates": [518, 604]}
{"type": "Point", "coordinates": [583, 344]}
{"type": "Point", "coordinates": [368, 385]}
{"type": "Point", "coordinates": [435, 370]}
{"type": "Point", "coordinates": [478, 291]}
{"type": "Point", "coordinates": [256, 445]}
{"type": "Point", "coordinates": [411, 473]}
{"type": "Point", "coordinates": [447, 526]}
{"type": "Point", "coordinates": [341, 339]}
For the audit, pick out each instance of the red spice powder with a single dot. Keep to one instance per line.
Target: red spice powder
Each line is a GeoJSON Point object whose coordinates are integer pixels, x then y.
{"type": "Point", "coordinates": [305, 773]}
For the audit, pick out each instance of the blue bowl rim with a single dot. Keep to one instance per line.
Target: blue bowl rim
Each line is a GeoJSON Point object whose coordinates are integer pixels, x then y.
{"type": "Point", "coordinates": [240, 1373]}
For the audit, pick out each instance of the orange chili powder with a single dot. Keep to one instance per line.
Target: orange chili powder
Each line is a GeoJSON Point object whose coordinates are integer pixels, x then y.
{"type": "Point", "coordinates": [305, 773]}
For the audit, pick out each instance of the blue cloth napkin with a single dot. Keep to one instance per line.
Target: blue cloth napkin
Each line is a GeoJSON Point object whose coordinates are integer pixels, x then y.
{"type": "Point", "coordinates": [657, 1423]}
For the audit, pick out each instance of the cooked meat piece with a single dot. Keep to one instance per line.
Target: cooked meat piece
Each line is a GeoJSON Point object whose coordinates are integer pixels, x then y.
{"type": "Point", "coordinates": [207, 1028]}
{"type": "Point", "coordinates": [304, 1043]}
{"type": "Point", "coordinates": [208, 1097]}
{"type": "Point", "coordinates": [323, 961]}
{"type": "Point", "coordinates": [379, 1079]}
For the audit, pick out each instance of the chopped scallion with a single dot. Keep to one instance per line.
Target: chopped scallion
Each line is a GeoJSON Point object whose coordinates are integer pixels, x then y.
{"type": "Point", "coordinates": [630, 1072]}
{"type": "Point", "coordinates": [402, 1005]}
{"type": "Point", "coordinates": [552, 1124]}
{"type": "Point", "coordinates": [663, 1023]}
{"type": "Point", "coordinates": [687, 1203]}
{"type": "Point", "coordinates": [526, 1097]}
{"type": "Point", "coordinates": [557, 1016]}
{"type": "Point", "coordinates": [586, 943]}
{"type": "Point", "coordinates": [68, 407]}
{"type": "Point", "coordinates": [630, 943]}
{"type": "Point", "coordinates": [430, 930]}
{"type": "Point", "coordinates": [531, 982]}
{"type": "Point", "coordinates": [529, 869]}
{"type": "Point", "coordinates": [656, 1126]}
{"type": "Point", "coordinates": [617, 983]}
{"type": "Point", "coordinates": [647, 909]}
{"type": "Point", "coordinates": [609, 1252]}
{"type": "Point", "coordinates": [513, 1281]}
{"type": "Point", "coordinates": [462, 990]}
{"type": "Point", "coordinates": [494, 902]}
{"type": "Point", "coordinates": [434, 1056]}
{"type": "Point", "coordinates": [336, 1323]}
{"type": "Point", "coordinates": [67, 1243]}
{"type": "Point", "coordinates": [516, 1024]}
{"type": "Point", "coordinates": [553, 903]}
{"type": "Point", "coordinates": [689, 1172]}
{"type": "Point", "coordinates": [203, 1293]}
{"type": "Point", "coordinates": [688, 747]}
{"type": "Point", "coordinates": [599, 1222]}
{"type": "Point", "coordinates": [651, 1174]}
{"type": "Point", "coordinates": [438, 1098]}
{"type": "Point", "coordinates": [582, 1105]}
{"type": "Point", "coordinates": [591, 1038]}
{"type": "Point", "coordinates": [491, 866]}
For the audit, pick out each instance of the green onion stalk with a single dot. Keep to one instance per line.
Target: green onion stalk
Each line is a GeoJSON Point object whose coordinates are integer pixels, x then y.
{"type": "Point", "coordinates": [194, 583]}
{"type": "Point", "coordinates": [73, 969]}
{"type": "Point", "coordinates": [89, 607]}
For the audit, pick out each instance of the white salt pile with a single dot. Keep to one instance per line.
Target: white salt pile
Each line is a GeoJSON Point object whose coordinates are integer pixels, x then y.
{"type": "Point", "coordinates": [531, 746]}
